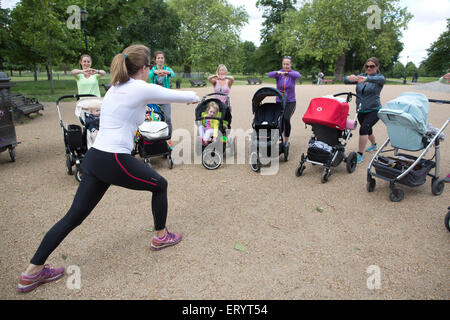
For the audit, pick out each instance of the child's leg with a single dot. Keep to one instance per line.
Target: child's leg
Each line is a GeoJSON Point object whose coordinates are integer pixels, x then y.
{"type": "Point", "coordinates": [208, 134]}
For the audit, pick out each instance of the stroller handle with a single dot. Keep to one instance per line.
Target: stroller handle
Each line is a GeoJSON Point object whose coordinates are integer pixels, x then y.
{"type": "Point", "coordinates": [77, 96]}
{"type": "Point", "coordinates": [439, 101]}
{"type": "Point", "coordinates": [348, 94]}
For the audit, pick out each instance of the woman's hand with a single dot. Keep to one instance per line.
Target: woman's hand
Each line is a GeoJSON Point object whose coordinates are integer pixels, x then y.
{"type": "Point", "coordinates": [361, 79]}
{"type": "Point", "coordinates": [352, 78]}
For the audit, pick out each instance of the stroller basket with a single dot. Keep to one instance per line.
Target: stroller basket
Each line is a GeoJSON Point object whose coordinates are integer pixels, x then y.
{"type": "Point", "coordinates": [391, 168]}
{"type": "Point", "coordinates": [74, 136]}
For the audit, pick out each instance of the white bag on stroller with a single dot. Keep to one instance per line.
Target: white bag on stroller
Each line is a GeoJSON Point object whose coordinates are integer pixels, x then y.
{"type": "Point", "coordinates": [154, 130]}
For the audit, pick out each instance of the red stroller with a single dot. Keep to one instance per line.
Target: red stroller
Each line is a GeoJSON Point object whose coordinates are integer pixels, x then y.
{"type": "Point", "coordinates": [331, 133]}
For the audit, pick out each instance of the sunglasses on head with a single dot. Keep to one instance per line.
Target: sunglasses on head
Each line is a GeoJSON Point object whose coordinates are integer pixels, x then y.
{"type": "Point", "coordinates": [287, 57]}
{"type": "Point", "coordinates": [370, 66]}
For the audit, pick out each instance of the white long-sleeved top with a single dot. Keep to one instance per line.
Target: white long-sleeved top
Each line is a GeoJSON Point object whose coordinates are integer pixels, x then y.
{"type": "Point", "coordinates": [123, 110]}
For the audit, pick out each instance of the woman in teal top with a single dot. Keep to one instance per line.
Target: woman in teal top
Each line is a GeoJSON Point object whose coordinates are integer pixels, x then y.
{"type": "Point", "coordinates": [87, 78]}
{"type": "Point", "coordinates": [368, 88]}
{"type": "Point", "coordinates": [161, 74]}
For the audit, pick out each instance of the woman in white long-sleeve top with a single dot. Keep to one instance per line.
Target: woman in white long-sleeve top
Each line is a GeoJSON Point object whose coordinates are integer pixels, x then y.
{"type": "Point", "coordinates": [368, 89]}
{"type": "Point", "coordinates": [109, 161]}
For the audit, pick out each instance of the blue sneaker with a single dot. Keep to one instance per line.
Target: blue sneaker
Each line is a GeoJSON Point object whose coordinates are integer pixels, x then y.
{"type": "Point", "coordinates": [372, 147]}
{"type": "Point", "coordinates": [359, 158]}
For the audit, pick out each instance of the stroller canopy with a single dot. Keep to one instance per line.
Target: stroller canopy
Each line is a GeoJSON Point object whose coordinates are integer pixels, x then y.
{"type": "Point", "coordinates": [330, 112]}
{"type": "Point", "coordinates": [412, 107]}
{"type": "Point", "coordinates": [262, 93]}
{"type": "Point", "coordinates": [224, 110]}
{"type": "Point", "coordinates": [406, 120]}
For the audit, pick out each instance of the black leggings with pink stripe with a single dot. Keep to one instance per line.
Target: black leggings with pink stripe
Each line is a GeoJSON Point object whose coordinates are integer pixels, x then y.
{"type": "Point", "coordinates": [100, 170]}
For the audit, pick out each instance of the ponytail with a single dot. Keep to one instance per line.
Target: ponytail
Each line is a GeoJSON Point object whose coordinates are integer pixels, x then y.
{"type": "Point", "coordinates": [126, 64]}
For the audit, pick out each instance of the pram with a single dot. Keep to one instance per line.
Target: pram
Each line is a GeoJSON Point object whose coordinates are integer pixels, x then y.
{"type": "Point", "coordinates": [331, 133]}
{"type": "Point", "coordinates": [152, 137]}
{"type": "Point", "coordinates": [406, 120]}
{"type": "Point", "coordinates": [267, 127]}
{"type": "Point", "coordinates": [74, 135]}
{"type": "Point", "coordinates": [212, 153]}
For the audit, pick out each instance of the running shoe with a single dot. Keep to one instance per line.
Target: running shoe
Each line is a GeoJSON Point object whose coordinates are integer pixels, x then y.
{"type": "Point", "coordinates": [372, 147]}
{"type": "Point", "coordinates": [359, 158]}
{"type": "Point", "coordinates": [170, 239]}
{"type": "Point", "coordinates": [447, 179]}
{"type": "Point", "coordinates": [28, 283]}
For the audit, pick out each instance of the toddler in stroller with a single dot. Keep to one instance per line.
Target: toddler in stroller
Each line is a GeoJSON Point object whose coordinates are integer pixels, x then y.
{"type": "Point", "coordinates": [213, 119]}
{"type": "Point", "coordinates": [267, 128]}
{"type": "Point", "coordinates": [406, 120]}
{"type": "Point", "coordinates": [151, 139]}
{"type": "Point", "coordinates": [92, 123]}
{"type": "Point", "coordinates": [331, 133]}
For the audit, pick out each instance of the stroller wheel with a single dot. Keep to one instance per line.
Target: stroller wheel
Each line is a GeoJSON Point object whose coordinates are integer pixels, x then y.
{"type": "Point", "coordinates": [396, 194]}
{"type": "Point", "coordinates": [12, 154]}
{"type": "Point", "coordinates": [78, 174]}
{"type": "Point", "coordinates": [255, 164]}
{"type": "Point", "coordinates": [325, 175]}
{"type": "Point", "coordinates": [68, 165]}
{"type": "Point", "coordinates": [351, 162]}
{"type": "Point", "coordinates": [447, 219]}
{"type": "Point", "coordinates": [211, 159]}
{"type": "Point", "coordinates": [437, 187]}
{"type": "Point", "coordinates": [170, 162]}
{"type": "Point", "coordinates": [300, 169]}
{"type": "Point", "coordinates": [371, 183]}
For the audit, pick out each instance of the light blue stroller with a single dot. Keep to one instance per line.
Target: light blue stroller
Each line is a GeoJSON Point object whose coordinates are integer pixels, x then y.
{"type": "Point", "coordinates": [406, 120]}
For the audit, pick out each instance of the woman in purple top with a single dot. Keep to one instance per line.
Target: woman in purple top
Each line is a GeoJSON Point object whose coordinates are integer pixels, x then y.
{"type": "Point", "coordinates": [286, 79]}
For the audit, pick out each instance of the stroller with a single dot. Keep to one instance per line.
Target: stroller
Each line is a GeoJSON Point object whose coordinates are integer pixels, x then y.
{"type": "Point", "coordinates": [267, 127]}
{"type": "Point", "coordinates": [152, 137]}
{"type": "Point", "coordinates": [212, 153]}
{"type": "Point", "coordinates": [406, 120]}
{"type": "Point", "coordinates": [331, 133]}
{"type": "Point", "coordinates": [74, 135]}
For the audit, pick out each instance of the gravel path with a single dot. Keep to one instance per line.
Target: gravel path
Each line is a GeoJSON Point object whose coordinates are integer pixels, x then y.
{"type": "Point", "coordinates": [246, 235]}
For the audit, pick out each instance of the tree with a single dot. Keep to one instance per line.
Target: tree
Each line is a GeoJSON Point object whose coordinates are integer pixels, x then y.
{"type": "Point", "coordinates": [269, 54]}
{"type": "Point", "coordinates": [158, 29]}
{"type": "Point", "coordinates": [206, 26]}
{"type": "Point", "coordinates": [438, 60]}
{"type": "Point", "coordinates": [328, 30]}
{"type": "Point", "coordinates": [398, 71]}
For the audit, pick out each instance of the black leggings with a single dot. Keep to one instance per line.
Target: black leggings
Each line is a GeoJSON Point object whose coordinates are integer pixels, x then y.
{"type": "Point", "coordinates": [288, 112]}
{"type": "Point", "coordinates": [100, 170]}
{"type": "Point", "coordinates": [367, 121]}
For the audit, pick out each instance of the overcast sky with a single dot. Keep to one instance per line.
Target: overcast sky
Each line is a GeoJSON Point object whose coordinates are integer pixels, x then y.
{"type": "Point", "coordinates": [429, 21]}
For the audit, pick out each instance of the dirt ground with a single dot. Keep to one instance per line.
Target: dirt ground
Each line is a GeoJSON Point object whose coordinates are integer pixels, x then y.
{"type": "Point", "coordinates": [246, 235]}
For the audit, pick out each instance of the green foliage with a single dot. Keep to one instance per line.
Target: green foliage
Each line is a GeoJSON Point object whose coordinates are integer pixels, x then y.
{"type": "Point", "coordinates": [438, 60]}
{"type": "Point", "coordinates": [207, 25]}
{"type": "Point", "coordinates": [327, 30]}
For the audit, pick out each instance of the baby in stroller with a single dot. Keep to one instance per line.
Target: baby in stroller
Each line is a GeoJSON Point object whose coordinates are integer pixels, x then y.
{"type": "Point", "coordinates": [208, 131]}
{"type": "Point", "coordinates": [213, 119]}
{"type": "Point", "coordinates": [92, 124]}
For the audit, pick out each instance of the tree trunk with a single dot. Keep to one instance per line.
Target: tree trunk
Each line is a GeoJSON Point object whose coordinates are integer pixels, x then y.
{"type": "Point", "coordinates": [340, 64]}
{"type": "Point", "coordinates": [35, 72]}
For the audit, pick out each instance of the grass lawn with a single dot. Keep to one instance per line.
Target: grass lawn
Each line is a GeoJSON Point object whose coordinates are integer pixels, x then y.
{"type": "Point", "coordinates": [65, 84]}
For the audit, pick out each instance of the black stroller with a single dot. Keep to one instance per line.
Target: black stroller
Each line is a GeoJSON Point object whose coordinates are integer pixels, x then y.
{"type": "Point", "coordinates": [331, 133]}
{"type": "Point", "coordinates": [212, 153]}
{"type": "Point", "coordinates": [267, 128]}
{"type": "Point", "coordinates": [152, 137]}
{"type": "Point", "coordinates": [74, 135]}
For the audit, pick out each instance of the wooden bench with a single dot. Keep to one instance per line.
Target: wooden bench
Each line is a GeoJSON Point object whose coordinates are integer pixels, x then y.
{"type": "Point", "coordinates": [325, 81]}
{"type": "Point", "coordinates": [25, 106]}
{"type": "Point", "coordinates": [197, 83]}
{"type": "Point", "coordinates": [254, 81]}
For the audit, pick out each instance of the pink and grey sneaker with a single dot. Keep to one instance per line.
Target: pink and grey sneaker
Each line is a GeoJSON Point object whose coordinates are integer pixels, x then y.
{"type": "Point", "coordinates": [28, 283]}
{"type": "Point", "coordinates": [170, 239]}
